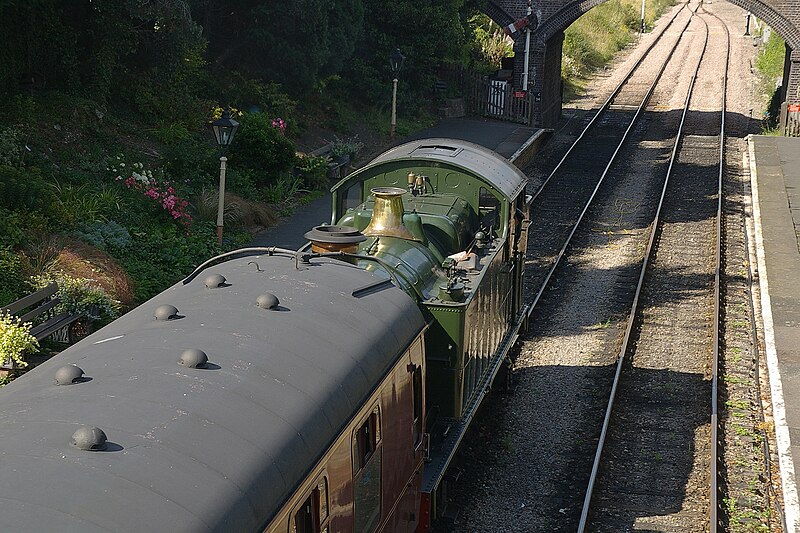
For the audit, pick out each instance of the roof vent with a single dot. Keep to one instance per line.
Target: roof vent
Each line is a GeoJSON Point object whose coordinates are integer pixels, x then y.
{"type": "Point", "coordinates": [67, 375]}
{"type": "Point", "coordinates": [89, 438]}
{"type": "Point", "coordinates": [166, 312]}
{"type": "Point", "coordinates": [215, 281]}
{"type": "Point", "coordinates": [267, 301]}
{"type": "Point", "coordinates": [193, 358]}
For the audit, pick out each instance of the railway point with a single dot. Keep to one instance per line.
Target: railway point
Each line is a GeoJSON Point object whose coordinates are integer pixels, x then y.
{"type": "Point", "coordinates": [775, 178]}
{"type": "Point", "coordinates": [515, 142]}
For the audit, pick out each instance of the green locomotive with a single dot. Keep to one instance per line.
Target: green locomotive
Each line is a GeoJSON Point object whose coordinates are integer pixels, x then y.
{"type": "Point", "coordinates": [447, 221]}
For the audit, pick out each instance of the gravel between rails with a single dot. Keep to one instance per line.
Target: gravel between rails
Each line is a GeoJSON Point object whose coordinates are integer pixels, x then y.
{"type": "Point", "coordinates": [525, 462]}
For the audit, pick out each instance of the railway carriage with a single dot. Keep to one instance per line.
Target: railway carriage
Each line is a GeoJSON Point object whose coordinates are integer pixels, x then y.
{"type": "Point", "coordinates": [313, 391]}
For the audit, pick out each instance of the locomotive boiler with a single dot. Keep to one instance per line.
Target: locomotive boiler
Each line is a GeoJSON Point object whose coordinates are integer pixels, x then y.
{"type": "Point", "coordinates": [313, 391]}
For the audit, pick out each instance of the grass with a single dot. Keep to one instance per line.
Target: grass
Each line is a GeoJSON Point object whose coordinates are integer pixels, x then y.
{"type": "Point", "coordinates": [770, 72]}
{"type": "Point", "coordinates": [591, 42]}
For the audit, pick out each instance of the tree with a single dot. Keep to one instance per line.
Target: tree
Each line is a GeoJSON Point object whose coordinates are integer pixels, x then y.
{"type": "Point", "coordinates": [292, 42]}
{"type": "Point", "coordinates": [428, 33]}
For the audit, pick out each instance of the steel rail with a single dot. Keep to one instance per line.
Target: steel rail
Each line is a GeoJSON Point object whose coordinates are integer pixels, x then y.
{"type": "Point", "coordinates": [611, 161]}
{"type": "Point", "coordinates": [715, 444]}
{"type": "Point", "coordinates": [608, 101]}
{"type": "Point", "coordinates": [635, 304]}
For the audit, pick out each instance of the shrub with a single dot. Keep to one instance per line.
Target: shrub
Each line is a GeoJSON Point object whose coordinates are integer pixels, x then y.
{"type": "Point", "coordinates": [15, 340]}
{"type": "Point", "coordinates": [313, 171]}
{"type": "Point", "coordinates": [159, 256]}
{"type": "Point", "coordinates": [80, 296]}
{"type": "Point", "coordinates": [12, 280]}
{"type": "Point", "coordinates": [12, 230]}
{"type": "Point", "coordinates": [24, 188]}
{"type": "Point", "coordinates": [104, 235]}
{"type": "Point", "coordinates": [77, 204]}
{"type": "Point", "coordinates": [261, 147]}
{"type": "Point", "coordinates": [11, 146]}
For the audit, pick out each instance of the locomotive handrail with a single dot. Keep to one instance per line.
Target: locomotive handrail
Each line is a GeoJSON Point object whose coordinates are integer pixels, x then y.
{"type": "Point", "coordinates": [393, 272]}
{"type": "Point", "coordinates": [270, 250]}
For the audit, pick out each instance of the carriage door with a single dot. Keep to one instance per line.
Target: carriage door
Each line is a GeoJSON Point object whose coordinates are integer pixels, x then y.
{"type": "Point", "coordinates": [367, 473]}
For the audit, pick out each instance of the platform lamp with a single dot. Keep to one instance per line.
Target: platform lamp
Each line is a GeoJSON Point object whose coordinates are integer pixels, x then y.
{"type": "Point", "coordinates": [224, 130]}
{"type": "Point", "coordinates": [396, 62]}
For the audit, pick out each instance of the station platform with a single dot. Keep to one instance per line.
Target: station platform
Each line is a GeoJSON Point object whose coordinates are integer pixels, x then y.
{"type": "Point", "coordinates": [775, 179]}
{"type": "Point", "coordinates": [515, 142]}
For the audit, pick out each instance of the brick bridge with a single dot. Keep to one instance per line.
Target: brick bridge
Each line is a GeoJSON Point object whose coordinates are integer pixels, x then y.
{"type": "Point", "coordinates": [544, 78]}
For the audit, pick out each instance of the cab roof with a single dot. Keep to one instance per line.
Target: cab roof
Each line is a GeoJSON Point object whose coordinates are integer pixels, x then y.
{"type": "Point", "coordinates": [471, 158]}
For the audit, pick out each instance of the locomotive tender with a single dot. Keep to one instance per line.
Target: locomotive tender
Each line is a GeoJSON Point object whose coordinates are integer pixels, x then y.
{"type": "Point", "coordinates": [313, 391]}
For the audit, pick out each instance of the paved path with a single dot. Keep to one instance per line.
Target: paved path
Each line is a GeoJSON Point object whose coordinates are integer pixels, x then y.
{"type": "Point", "coordinates": [503, 137]}
{"type": "Point", "coordinates": [775, 178]}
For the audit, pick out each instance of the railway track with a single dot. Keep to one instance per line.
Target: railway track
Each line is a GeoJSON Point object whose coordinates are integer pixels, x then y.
{"type": "Point", "coordinates": [562, 201]}
{"type": "Point", "coordinates": [658, 442]}
{"type": "Point", "coordinates": [593, 217]}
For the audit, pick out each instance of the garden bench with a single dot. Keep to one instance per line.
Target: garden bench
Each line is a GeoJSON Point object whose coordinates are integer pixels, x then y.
{"type": "Point", "coordinates": [41, 306]}
{"type": "Point", "coordinates": [336, 170]}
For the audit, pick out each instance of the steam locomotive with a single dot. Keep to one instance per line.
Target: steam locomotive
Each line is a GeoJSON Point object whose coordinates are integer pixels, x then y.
{"type": "Point", "coordinates": [312, 391]}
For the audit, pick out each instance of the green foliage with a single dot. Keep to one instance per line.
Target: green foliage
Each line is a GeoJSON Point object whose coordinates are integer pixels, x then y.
{"type": "Point", "coordinates": [771, 57]}
{"type": "Point", "coordinates": [254, 95]}
{"type": "Point", "coordinates": [770, 71]}
{"type": "Point", "coordinates": [93, 47]}
{"type": "Point", "coordinates": [11, 146]}
{"type": "Point", "coordinates": [294, 42]}
{"type": "Point", "coordinates": [592, 40]}
{"type": "Point", "coordinates": [342, 147]}
{"type": "Point", "coordinates": [15, 340]}
{"type": "Point", "coordinates": [439, 35]}
{"type": "Point", "coordinates": [24, 187]}
{"type": "Point", "coordinates": [489, 43]}
{"type": "Point", "coordinates": [12, 279]}
{"type": "Point", "coordinates": [80, 296]}
{"type": "Point", "coordinates": [159, 256]}
{"type": "Point", "coordinates": [13, 230]}
{"type": "Point", "coordinates": [84, 203]}
{"type": "Point", "coordinates": [284, 193]}
{"type": "Point", "coordinates": [104, 235]}
{"type": "Point", "coordinates": [262, 149]}
{"type": "Point", "coordinates": [313, 171]}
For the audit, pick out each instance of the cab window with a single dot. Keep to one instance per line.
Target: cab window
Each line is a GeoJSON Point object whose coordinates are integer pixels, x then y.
{"type": "Point", "coordinates": [489, 210]}
{"type": "Point", "coordinates": [312, 516]}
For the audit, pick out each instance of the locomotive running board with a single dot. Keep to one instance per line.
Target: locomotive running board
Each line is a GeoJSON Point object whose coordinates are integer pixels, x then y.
{"type": "Point", "coordinates": [442, 454]}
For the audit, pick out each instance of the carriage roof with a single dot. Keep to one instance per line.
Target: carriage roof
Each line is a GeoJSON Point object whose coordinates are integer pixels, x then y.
{"type": "Point", "coordinates": [201, 449]}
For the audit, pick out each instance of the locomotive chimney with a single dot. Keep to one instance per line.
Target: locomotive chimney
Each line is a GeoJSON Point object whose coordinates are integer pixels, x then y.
{"type": "Point", "coordinates": [334, 239]}
{"type": "Point", "coordinates": [387, 214]}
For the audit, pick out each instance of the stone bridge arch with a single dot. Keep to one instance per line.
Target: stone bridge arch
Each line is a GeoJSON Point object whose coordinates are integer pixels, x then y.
{"type": "Point", "coordinates": [783, 16]}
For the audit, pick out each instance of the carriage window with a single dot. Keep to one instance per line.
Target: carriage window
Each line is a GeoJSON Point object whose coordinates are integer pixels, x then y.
{"type": "Point", "coordinates": [366, 440]}
{"type": "Point", "coordinates": [312, 516]}
{"type": "Point", "coordinates": [416, 385]}
{"type": "Point", "coordinates": [489, 209]}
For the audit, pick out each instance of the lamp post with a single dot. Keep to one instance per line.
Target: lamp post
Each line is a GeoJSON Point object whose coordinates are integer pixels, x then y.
{"type": "Point", "coordinates": [224, 130]}
{"type": "Point", "coordinates": [396, 62]}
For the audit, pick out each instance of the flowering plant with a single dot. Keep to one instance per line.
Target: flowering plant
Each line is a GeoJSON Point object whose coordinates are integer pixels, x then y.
{"type": "Point", "coordinates": [15, 339]}
{"type": "Point", "coordinates": [80, 296]}
{"type": "Point", "coordinates": [280, 124]}
{"type": "Point", "coordinates": [216, 112]}
{"type": "Point", "coordinates": [141, 179]}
